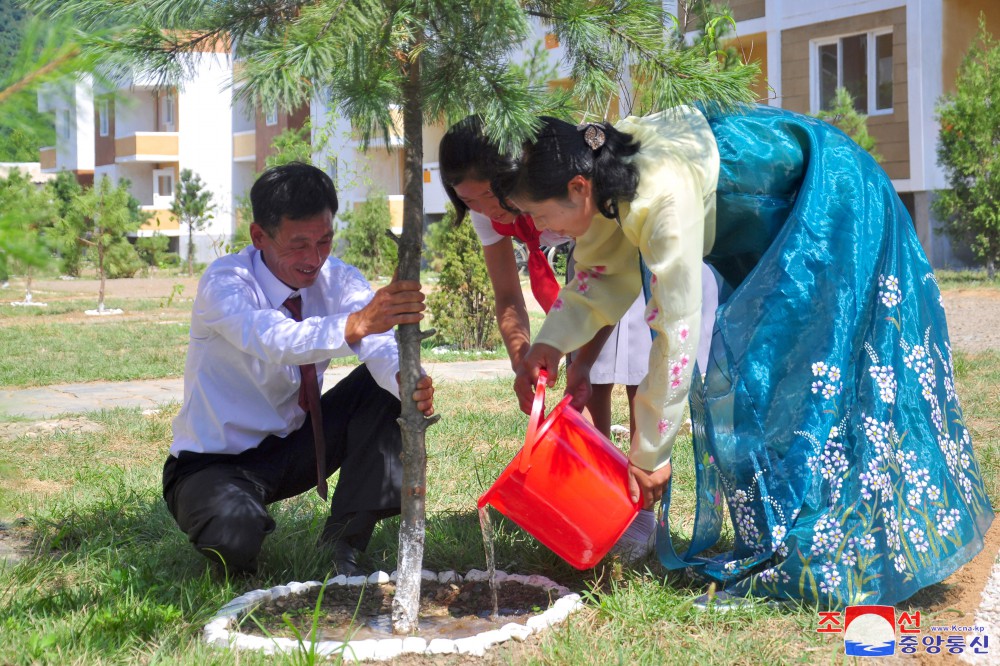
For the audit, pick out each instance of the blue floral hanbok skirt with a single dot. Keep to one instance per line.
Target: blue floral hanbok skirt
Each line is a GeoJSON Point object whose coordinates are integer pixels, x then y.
{"type": "Point", "coordinates": [827, 420]}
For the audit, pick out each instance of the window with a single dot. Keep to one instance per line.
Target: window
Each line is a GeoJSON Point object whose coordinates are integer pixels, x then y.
{"type": "Point", "coordinates": [167, 112]}
{"type": "Point", "coordinates": [860, 63]}
{"type": "Point", "coordinates": [163, 187]}
{"type": "Point", "coordinates": [104, 117]}
{"type": "Point", "coordinates": [272, 116]}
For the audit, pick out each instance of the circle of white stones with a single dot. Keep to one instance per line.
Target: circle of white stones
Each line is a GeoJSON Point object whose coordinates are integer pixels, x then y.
{"type": "Point", "coordinates": [220, 632]}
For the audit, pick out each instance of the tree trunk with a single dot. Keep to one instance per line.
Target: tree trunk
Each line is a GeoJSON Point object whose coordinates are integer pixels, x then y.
{"type": "Point", "coordinates": [412, 423]}
{"type": "Point", "coordinates": [190, 249]}
{"type": "Point", "coordinates": [100, 268]}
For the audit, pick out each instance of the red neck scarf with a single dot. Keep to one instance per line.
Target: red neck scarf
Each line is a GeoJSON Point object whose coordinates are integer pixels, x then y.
{"type": "Point", "coordinates": [543, 281]}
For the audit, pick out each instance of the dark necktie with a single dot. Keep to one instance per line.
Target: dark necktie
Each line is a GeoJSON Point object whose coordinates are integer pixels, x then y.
{"type": "Point", "coordinates": [309, 402]}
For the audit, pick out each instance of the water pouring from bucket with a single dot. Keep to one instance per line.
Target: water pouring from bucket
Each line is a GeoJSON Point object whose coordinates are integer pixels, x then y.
{"type": "Point", "coordinates": [567, 486]}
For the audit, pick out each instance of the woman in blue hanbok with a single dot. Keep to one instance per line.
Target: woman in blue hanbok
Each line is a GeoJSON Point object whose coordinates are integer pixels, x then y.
{"type": "Point", "coordinates": [826, 418]}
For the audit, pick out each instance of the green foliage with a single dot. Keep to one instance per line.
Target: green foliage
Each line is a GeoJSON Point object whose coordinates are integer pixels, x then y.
{"type": "Point", "coordinates": [27, 216]}
{"type": "Point", "coordinates": [969, 152]}
{"type": "Point", "coordinates": [711, 24]}
{"type": "Point", "coordinates": [122, 260]}
{"type": "Point", "coordinates": [436, 240]}
{"type": "Point", "coordinates": [192, 207]}
{"type": "Point", "coordinates": [844, 116]}
{"type": "Point", "coordinates": [292, 145]}
{"type": "Point", "coordinates": [100, 218]}
{"type": "Point", "coordinates": [152, 250]}
{"type": "Point", "coordinates": [363, 237]}
{"type": "Point", "coordinates": [462, 305]}
{"type": "Point", "coordinates": [64, 190]}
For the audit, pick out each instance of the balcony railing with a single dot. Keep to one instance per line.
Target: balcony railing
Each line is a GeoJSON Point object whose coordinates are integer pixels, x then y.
{"type": "Point", "coordinates": [147, 147]}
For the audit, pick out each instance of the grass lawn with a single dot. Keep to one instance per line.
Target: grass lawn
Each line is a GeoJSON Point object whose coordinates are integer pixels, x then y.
{"type": "Point", "coordinates": [110, 579]}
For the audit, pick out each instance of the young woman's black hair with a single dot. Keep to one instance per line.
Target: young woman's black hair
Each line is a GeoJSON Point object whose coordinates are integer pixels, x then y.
{"type": "Point", "coordinates": [295, 190]}
{"type": "Point", "coordinates": [466, 154]}
{"type": "Point", "coordinates": [561, 152]}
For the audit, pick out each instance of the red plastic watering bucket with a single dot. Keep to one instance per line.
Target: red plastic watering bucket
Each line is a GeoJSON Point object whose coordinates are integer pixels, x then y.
{"type": "Point", "coordinates": [567, 487]}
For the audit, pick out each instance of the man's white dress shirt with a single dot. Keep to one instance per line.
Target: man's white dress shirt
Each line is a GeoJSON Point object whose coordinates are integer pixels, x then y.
{"type": "Point", "coordinates": [241, 379]}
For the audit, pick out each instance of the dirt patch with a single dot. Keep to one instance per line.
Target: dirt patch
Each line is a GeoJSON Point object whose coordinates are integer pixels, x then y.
{"type": "Point", "coordinates": [14, 429]}
{"type": "Point", "coordinates": [973, 319]}
{"type": "Point", "coordinates": [956, 599]}
{"type": "Point", "coordinates": [357, 613]}
{"type": "Point", "coordinates": [15, 545]}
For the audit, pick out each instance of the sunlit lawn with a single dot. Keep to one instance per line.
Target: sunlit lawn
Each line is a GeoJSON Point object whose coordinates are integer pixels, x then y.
{"type": "Point", "coordinates": [110, 579]}
{"type": "Point", "coordinates": [107, 577]}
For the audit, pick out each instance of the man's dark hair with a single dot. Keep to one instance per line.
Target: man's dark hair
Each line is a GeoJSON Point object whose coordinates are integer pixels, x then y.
{"type": "Point", "coordinates": [294, 190]}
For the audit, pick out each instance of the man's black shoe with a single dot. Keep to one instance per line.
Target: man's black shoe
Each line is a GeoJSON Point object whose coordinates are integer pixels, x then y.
{"type": "Point", "coordinates": [345, 559]}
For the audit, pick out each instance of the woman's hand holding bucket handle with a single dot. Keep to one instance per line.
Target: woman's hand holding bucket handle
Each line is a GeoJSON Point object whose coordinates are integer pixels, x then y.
{"type": "Point", "coordinates": [647, 486]}
{"type": "Point", "coordinates": [539, 357]}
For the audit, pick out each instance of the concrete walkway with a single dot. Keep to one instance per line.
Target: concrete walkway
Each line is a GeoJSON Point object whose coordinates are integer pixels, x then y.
{"type": "Point", "coordinates": [49, 401]}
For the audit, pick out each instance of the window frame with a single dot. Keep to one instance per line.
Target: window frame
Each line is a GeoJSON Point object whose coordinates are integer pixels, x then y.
{"type": "Point", "coordinates": [271, 116]}
{"type": "Point", "coordinates": [104, 117]}
{"type": "Point", "coordinates": [159, 199]}
{"type": "Point", "coordinates": [167, 117]}
{"type": "Point", "coordinates": [871, 68]}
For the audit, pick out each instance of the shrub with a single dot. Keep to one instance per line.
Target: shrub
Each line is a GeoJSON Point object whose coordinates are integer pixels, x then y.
{"type": "Point", "coordinates": [363, 238]}
{"type": "Point", "coordinates": [151, 249]}
{"type": "Point", "coordinates": [121, 260]}
{"type": "Point", "coordinates": [463, 306]}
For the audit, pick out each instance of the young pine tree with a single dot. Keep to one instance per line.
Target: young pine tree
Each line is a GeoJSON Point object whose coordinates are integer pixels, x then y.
{"type": "Point", "coordinates": [844, 116]}
{"type": "Point", "coordinates": [462, 305]}
{"type": "Point", "coordinates": [192, 207]}
{"type": "Point", "coordinates": [433, 60]}
{"type": "Point", "coordinates": [364, 239]}
{"type": "Point", "coordinates": [100, 218]}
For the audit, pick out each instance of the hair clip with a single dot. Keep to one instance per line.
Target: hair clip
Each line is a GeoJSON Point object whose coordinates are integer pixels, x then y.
{"type": "Point", "coordinates": [593, 134]}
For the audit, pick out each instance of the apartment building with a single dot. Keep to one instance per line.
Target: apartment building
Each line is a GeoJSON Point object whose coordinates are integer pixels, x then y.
{"type": "Point", "coordinates": [140, 131]}
{"type": "Point", "coordinates": [897, 57]}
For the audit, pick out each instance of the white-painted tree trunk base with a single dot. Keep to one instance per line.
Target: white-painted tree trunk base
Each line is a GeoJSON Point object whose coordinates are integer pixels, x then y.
{"type": "Point", "coordinates": [220, 631]}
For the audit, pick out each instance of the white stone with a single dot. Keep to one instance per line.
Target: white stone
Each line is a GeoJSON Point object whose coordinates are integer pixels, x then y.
{"type": "Point", "coordinates": [360, 650]}
{"type": "Point", "coordinates": [555, 615]}
{"type": "Point", "coordinates": [414, 645]}
{"type": "Point", "coordinates": [449, 577]}
{"type": "Point", "coordinates": [247, 642]}
{"type": "Point", "coordinates": [442, 646]}
{"type": "Point", "coordinates": [378, 578]}
{"type": "Point", "coordinates": [388, 648]}
{"type": "Point", "coordinates": [217, 637]}
{"type": "Point", "coordinates": [538, 622]}
{"type": "Point", "coordinates": [394, 576]}
{"type": "Point", "coordinates": [327, 648]}
{"type": "Point", "coordinates": [219, 631]}
{"type": "Point", "coordinates": [500, 576]}
{"type": "Point", "coordinates": [494, 636]}
{"type": "Point", "coordinates": [472, 645]}
{"type": "Point", "coordinates": [517, 631]}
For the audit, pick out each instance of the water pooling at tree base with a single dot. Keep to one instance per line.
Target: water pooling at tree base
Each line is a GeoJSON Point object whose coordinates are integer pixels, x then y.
{"type": "Point", "coordinates": [455, 615]}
